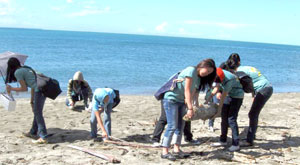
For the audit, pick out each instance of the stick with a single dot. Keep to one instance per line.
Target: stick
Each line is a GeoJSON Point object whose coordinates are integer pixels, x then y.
{"type": "Point", "coordinates": [116, 139]}
{"type": "Point", "coordinates": [129, 144]}
{"type": "Point", "coordinates": [109, 158]}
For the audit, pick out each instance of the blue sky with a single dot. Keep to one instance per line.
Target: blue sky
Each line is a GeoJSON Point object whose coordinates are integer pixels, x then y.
{"type": "Point", "coordinates": [268, 21]}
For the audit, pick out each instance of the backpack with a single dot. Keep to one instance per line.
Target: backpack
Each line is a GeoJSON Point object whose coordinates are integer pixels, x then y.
{"type": "Point", "coordinates": [246, 81]}
{"type": "Point", "coordinates": [48, 86]}
{"type": "Point", "coordinates": [168, 86]}
{"type": "Point", "coordinates": [117, 99]}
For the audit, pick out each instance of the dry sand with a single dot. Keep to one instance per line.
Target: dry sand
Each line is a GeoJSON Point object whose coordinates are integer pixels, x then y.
{"type": "Point", "coordinates": [278, 136]}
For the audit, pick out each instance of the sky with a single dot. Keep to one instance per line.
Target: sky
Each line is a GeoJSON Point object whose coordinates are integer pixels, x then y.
{"type": "Point", "coordinates": [266, 21]}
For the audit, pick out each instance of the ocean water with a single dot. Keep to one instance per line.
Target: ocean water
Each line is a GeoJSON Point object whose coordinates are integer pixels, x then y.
{"type": "Point", "coordinates": [137, 64]}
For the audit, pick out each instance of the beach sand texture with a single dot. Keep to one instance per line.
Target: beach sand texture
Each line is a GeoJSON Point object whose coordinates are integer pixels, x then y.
{"type": "Point", "coordinates": [278, 135]}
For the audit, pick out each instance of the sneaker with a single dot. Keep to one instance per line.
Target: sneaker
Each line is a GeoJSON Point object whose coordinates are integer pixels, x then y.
{"type": "Point", "coordinates": [195, 142]}
{"type": "Point", "coordinates": [211, 129]}
{"type": "Point", "coordinates": [234, 148]}
{"type": "Point", "coordinates": [156, 144]}
{"type": "Point", "coordinates": [168, 156]}
{"type": "Point", "coordinates": [218, 144]}
{"type": "Point", "coordinates": [40, 141]}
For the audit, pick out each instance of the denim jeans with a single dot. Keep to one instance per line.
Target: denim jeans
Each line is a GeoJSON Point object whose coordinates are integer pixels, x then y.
{"type": "Point", "coordinates": [174, 113]}
{"type": "Point", "coordinates": [38, 124]}
{"type": "Point", "coordinates": [229, 116]}
{"type": "Point", "coordinates": [259, 101]}
{"type": "Point", "coordinates": [82, 95]}
{"type": "Point", "coordinates": [106, 121]}
{"type": "Point", "coordinates": [162, 122]}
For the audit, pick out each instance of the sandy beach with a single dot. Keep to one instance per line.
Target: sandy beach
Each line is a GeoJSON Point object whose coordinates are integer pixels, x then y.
{"type": "Point", "coordinates": [278, 135]}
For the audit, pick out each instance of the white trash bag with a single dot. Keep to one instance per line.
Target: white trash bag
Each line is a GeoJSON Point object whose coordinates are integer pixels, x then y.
{"type": "Point", "coordinates": [8, 101]}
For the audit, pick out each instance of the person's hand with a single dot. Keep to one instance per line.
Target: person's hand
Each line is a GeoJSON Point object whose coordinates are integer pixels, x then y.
{"type": "Point", "coordinates": [72, 103]}
{"type": "Point", "coordinates": [190, 113]}
{"type": "Point", "coordinates": [218, 95]}
{"type": "Point", "coordinates": [104, 135]}
{"type": "Point", "coordinates": [8, 89]}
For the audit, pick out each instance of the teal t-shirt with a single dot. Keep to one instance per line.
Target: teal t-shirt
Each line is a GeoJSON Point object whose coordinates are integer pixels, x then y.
{"type": "Point", "coordinates": [99, 95]}
{"type": "Point", "coordinates": [259, 80]}
{"type": "Point", "coordinates": [28, 76]}
{"type": "Point", "coordinates": [178, 93]}
{"type": "Point", "coordinates": [232, 85]}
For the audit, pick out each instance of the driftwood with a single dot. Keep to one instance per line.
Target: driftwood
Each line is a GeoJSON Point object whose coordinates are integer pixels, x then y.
{"type": "Point", "coordinates": [237, 157]}
{"type": "Point", "coordinates": [129, 144]}
{"type": "Point", "coordinates": [109, 158]}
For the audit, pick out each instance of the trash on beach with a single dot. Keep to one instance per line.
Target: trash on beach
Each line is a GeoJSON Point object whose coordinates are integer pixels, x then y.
{"type": "Point", "coordinates": [207, 111]}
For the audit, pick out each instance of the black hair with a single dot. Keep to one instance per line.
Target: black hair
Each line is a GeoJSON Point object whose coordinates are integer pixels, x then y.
{"type": "Point", "coordinates": [233, 61]}
{"type": "Point", "coordinates": [209, 79]}
{"type": "Point", "coordinates": [12, 65]}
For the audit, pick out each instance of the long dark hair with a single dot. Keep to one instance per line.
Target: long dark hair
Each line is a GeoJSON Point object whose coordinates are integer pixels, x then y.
{"type": "Point", "coordinates": [12, 65]}
{"type": "Point", "coordinates": [209, 79]}
{"type": "Point", "coordinates": [233, 61]}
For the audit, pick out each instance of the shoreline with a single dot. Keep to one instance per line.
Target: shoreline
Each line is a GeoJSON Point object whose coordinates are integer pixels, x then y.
{"type": "Point", "coordinates": [277, 138]}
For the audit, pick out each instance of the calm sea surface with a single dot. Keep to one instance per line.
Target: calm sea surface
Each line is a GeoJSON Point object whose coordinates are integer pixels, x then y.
{"type": "Point", "coordinates": [138, 64]}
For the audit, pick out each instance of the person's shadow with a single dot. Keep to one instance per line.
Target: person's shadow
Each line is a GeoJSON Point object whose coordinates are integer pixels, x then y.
{"type": "Point", "coordinates": [57, 135]}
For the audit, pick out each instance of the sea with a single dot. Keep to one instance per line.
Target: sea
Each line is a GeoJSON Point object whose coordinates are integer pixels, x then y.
{"type": "Point", "coordinates": [140, 64]}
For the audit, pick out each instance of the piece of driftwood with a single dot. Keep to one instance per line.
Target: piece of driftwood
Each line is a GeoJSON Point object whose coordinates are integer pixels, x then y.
{"type": "Point", "coordinates": [106, 157]}
{"type": "Point", "coordinates": [129, 144]}
{"type": "Point", "coordinates": [116, 139]}
{"type": "Point", "coordinates": [207, 111]}
{"type": "Point", "coordinates": [237, 157]}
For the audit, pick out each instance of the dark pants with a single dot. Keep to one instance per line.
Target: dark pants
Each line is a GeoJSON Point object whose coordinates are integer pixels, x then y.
{"type": "Point", "coordinates": [162, 122]}
{"type": "Point", "coordinates": [38, 124]}
{"type": "Point", "coordinates": [229, 116]}
{"type": "Point", "coordinates": [82, 95]}
{"type": "Point", "coordinates": [258, 103]}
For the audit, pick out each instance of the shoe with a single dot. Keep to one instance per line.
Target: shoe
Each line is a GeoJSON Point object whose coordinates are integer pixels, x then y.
{"type": "Point", "coordinates": [168, 156]}
{"type": "Point", "coordinates": [71, 107]}
{"type": "Point", "coordinates": [29, 135]}
{"type": "Point", "coordinates": [218, 144]}
{"type": "Point", "coordinates": [195, 142]}
{"type": "Point", "coordinates": [245, 144]}
{"type": "Point", "coordinates": [156, 144]}
{"type": "Point", "coordinates": [181, 155]}
{"type": "Point", "coordinates": [211, 129]}
{"type": "Point", "coordinates": [233, 148]}
{"type": "Point", "coordinates": [40, 141]}
{"type": "Point", "coordinates": [87, 109]}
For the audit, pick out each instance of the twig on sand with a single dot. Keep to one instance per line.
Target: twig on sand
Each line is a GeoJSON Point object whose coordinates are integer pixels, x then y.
{"type": "Point", "coordinates": [109, 158]}
{"type": "Point", "coordinates": [116, 139]}
{"type": "Point", "coordinates": [144, 123]}
{"type": "Point", "coordinates": [130, 144]}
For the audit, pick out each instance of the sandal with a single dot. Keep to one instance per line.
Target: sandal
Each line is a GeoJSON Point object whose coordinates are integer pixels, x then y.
{"type": "Point", "coordinates": [168, 156]}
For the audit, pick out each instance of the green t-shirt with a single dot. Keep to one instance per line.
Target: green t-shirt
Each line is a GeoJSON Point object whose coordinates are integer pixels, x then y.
{"type": "Point", "coordinates": [259, 80]}
{"type": "Point", "coordinates": [28, 76]}
{"type": "Point", "coordinates": [178, 93]}
{"type": "Point", "coordinates": [232, 85]}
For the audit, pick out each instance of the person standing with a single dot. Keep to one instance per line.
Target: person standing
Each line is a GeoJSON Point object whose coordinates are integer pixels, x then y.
{"type": "Point", "coordinates": [176, 101]}
{"type": "Point", "coordinates": [26, 78]}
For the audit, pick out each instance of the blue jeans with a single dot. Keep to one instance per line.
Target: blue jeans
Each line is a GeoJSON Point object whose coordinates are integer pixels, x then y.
{"type": "Point", "coordinates": [174, 113]}
{"type": "Point", "coordinates": [38, 124]}
{"type": "Point", "coordinates": [259, 101]}
{"type": "Point", "coordinates": [106, 121]}
{"type": "Point", "coordinates": [229, 116]}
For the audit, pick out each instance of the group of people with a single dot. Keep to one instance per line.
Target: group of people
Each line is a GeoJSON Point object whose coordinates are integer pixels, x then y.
{"type": "Point", "coordinates": [227, 91]}
{"type": "Point", "coordinates": [103, 100]}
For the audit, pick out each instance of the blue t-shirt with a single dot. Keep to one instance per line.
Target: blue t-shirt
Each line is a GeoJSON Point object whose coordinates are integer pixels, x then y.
{"type": "Point", "coordinates": [259, 80]}
{"type": "Point", "coordinates": [28, 76]}
{"type": "Point", "coordinates": [232, 85]}
{"type": "Point", "coordinates": [178, 93]}
{"type": "Point", "coordinates": [99, 95]}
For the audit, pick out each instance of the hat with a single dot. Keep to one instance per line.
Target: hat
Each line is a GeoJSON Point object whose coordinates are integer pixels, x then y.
{"type": "Point", "coordinates": [78, 76]}
{"type": "Point", "coordinates": [220, 74]}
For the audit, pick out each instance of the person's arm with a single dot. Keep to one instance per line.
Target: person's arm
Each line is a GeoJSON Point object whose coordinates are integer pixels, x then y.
{"type": "Point", "coordinates": [99, 120]}
{"type": "Point", "coordinates": [90, 92]}
{"type": "Point", "coordinates": [32, 98]}
{"type": "Point", "coordinates": [214, 92]}
{"type": "Point", "coordinates": [23, 87]}
{"type": "Point", "coordinates": [196, 97]}
{"type": "Point", "coordinates": [223, 96]}
{"type": "Point", "coordinates": [188, 96]}
{"type": "Point", "coordinates": [69, 92]}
